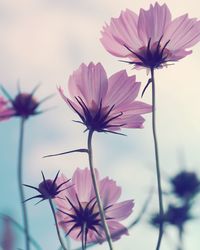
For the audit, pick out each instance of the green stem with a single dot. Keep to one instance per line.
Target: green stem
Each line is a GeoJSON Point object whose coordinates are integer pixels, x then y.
{"type": "Point", "coordinates": [157, 160]}
{"type": "Point", "coordinates": [96, 189]}
{"type": "Point", "coordinates": [57, 228]}
{"type": "Point", "coordinates": [20, 182]}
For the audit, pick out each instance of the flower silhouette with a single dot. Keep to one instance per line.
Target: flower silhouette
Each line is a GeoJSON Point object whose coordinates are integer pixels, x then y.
{"type": "Point", "coordinates": [152, 39]}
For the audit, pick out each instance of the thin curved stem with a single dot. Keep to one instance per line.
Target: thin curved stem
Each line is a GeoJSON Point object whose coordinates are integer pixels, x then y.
{"type": "Point", "coordinates": [157, 160]}
{"type": "Point", "coordinates": [96, 189]}
{"type": "Point", "coordinates": [57, 228]}
{"type": "Point", "coordinates": [20, 182]}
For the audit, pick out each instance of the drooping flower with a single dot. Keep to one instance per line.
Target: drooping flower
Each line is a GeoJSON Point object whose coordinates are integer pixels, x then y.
{"type": "Point", "coordinates": [48, 189]}
{"type": "Point", "coordinates": [23, 105]}
{"type": "Point", "coordinates": [152, 39]}
{"type": "Point", "coordinates": [5, 111]}
{"type": "Point", "coordinates": [105, 104]}
{"type": "Point", "coordinates": [78, 214]}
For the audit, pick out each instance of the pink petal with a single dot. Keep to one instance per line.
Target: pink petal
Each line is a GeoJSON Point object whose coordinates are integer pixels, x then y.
{"type": "Point", "coordinates": [83, 184]}
{"type": "Point", "coordinates": [179, 54]}
{"type": "Point", "coordinates": [116, 230]}
{"type": "Point", "coordinates": [90, 83]}
{"type": "Point", "coordinates": [122, 30]}
{"type": "Point", "coordinates": [136, 108]}
{"type": "Point", "coordinates": [183, 32]}
{"type": "Point", "coordinates": [70, 193]}
{"type": "Point", "coordinates": [130, 121]}
{"type": "Point", "coordinates": [120, 211]}
{"type": "Point", "coordinates": [153, 22]}
{"type": "Point", "coordinates": [68, 101]}
{"type": "Point", "coordinates": [122, 89]}
{"type": "Point", "coordinates": [109, 191]}
{"type": "Point", "coordinates": [5, 111]}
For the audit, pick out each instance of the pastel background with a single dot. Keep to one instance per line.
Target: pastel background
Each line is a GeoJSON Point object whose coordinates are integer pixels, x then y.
{"type": "Point", "coordinates": [44, 41]}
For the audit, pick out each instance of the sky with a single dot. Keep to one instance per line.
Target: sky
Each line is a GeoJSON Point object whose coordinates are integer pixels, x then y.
{"type": "Point", "coordinates": [44, 41]}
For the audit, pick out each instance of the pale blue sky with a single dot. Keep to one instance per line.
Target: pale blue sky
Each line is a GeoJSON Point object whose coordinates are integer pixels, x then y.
{"type": "Point", "coordinates": [44, 41]}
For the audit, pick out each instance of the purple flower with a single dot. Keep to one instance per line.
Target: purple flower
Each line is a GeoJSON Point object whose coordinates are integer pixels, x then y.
{"type": "Point", "coordinates": [78, 214]}
{"type": "Point", "coordinates": [185, 184]}
{"type": "Point", "coordinates": [105, 104]}
{"type": "Point", "coordinates": [48, 189]}
{"type": "Point", "coordinates": [23, 105]}
{"type": "Point", "coordinates": [152, 39]}
{"type": "Point", "coordinates": [5, 111]}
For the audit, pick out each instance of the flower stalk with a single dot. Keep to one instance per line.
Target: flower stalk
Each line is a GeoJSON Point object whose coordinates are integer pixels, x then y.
{"type": "Point", "coordinates": [96, 189]}
{"type": "Point", "coordinates": [157, 159]}
{"type": "Point", "coordinates": [56, 223]}
{"type": "Point", "coordinates": [20, 181]}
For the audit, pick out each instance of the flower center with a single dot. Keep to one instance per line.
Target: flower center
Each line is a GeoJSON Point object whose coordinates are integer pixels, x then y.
{"type": "Point", "coordinates": [152, 55]}
{"type": "Point", "coordinates": [24, 104]}
{"type": "Point", "coordinates": [48, 189]}
{"type": "Point", "coordinates": [97, 120]}
{"type": "Point", "coordinates": [86, 217]}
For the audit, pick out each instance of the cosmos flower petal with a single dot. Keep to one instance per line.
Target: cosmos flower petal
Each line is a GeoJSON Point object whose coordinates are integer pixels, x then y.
{"type": "Point", "coordinates": [120, 210]}
{"type": "Point", "coordinates": [152, 22]}
{"type": "Point", "coordinates": [83, 184]}
{"type": "Point", "coordinates": [70, 103]}
{"type": "Point", "coordinates": [183, 32]}
{"type": "Point", "coordinates": [68, 192]}
{"type": "Point", "coordinates": [109, 191]}
{"type": "Point", "coordinates": [130, 121]}
{"type": "Point", "coordinates": [119, 81]}
{"type": "Point", "coordinates": [5, 111]}
{"type": "Point", "coordinates": [136, 108]}
{"type": "Point", "coordinates": [90, 83]}
{"type": "Point", "coordinates": [117, 230]}
{"type": "Point", "coordinates": [121, 31]}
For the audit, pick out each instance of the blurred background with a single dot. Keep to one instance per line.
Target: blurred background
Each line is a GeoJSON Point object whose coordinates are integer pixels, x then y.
{"type": "Point", "coordinates": [43, 41]}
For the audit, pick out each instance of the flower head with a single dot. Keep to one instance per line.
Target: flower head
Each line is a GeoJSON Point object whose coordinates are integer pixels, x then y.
{"type": "Point", "coordinates": [178, 215]}
{"type": "Point", "coordinates": [152, 39]}
{"type": "Point", "coordinates": [185, 184]}
{"type": "Point", "coordinates": [48, 189]}
{"type": "Point", "coordinates": [175, 215]}
{"type": "Point", "coordinates": [23, 105]}
{"type": "Point", "coordinates": [105, 104]}
{"type": "Point", "coordinates": [78, 214]}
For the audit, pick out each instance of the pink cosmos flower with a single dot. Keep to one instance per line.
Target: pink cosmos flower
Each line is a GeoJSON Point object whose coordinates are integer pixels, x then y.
{"type": "Point", "coordinates": [78, 212]}
{"type": "Point", "coordinates": [5, 111]}
{"type": "Point", "coordinates": [23, 105]}
{"type": "Point", "coordinates": [105, 104]}
{"type": "Point", "coordinates": [151, 39]}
